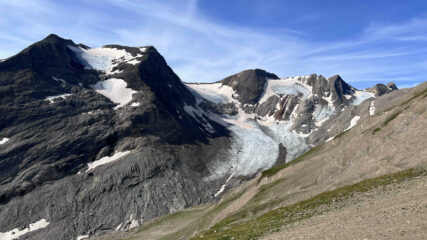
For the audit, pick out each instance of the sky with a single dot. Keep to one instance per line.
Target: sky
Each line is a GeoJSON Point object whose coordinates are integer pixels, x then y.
{"type": "Point", "coordinates": [364, 41]}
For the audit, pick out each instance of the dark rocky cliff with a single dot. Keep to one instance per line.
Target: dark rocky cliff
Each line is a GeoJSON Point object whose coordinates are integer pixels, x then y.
{"type": "Point", "coordinates": [43, 167]}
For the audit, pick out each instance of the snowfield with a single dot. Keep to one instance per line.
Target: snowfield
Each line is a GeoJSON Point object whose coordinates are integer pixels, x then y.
{"type": "Point", "coordinates": [116, 90]}
{"type": "Point", "coordinates": [362, 96]}
{"type": "Point", "coordinates": [104, 58]}
{"type": "Point", "coordinates": [16, 232]}
{"type": "Point", "coordinates": [286, 86]}
{"type": "Point", "coordinates": [214, 92]}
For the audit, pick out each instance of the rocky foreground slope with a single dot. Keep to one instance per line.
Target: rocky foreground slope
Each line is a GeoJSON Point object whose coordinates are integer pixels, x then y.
{"type": "Point", "coordinates": [102, 140]}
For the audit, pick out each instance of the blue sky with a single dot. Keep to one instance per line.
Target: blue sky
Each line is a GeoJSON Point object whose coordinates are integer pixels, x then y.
{"type": "Point", "coordinates": [365, 41]}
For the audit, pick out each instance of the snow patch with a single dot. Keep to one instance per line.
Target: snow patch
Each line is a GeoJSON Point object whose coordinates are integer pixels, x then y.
{"type": "Point", "coordinates": [106, 160]}
{"type": "Point", "coordinates": [135, 104]}
{"type": "Point", "coordinates": [329, 139]}
{"type": "Point", "coordinates": [4, 140]}
{"type": "Point", "coordinates": [353, 122]}
{"type": "Point", "coordinates": [372, 109]}
{"type": "Point", "coordinates": [133, 222]}
{"type": "Point", "coordinates": [224, 185]}
{"type": "Point", "coordinates": [58, 79]}
{"type": "Point", "coordinates": [133, 61]}
{"type": "Point", "coordinates": [119, 227]}
{"type": "Point", "coordinates": [82, 237]}
{"type": "Point", "coordinates": [16, 233]}
{"type": "Point", "coordinates": [361, 96]}
{"type": "Point", "coordinates": [116, 90]}
{"type": "Point", "coordinates": [51, 99]}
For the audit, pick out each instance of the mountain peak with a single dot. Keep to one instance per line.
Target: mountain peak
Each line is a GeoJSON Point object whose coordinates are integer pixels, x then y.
{"type": "Point", "coordinates": [52, 36]}
{"type": "Point", "coordinates": [392, 86]}
{"type": "Point", "coordinates": [55, 39]}
{"type": "Point", "coordinates": [381, 89]}
{"type": "Point", "coordinates": [249, 84]}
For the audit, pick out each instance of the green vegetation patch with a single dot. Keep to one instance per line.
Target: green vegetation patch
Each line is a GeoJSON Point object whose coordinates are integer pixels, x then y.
{"type": "Point", "coordinates": [376, 130]}
{"type": "Point", "coordinates": [274, 220]}
{"type": "Point", "coordinates": [264, 189]}
{"type": "Point", "coordinates": [415, 96]}
{"type": "Point", "coordinates": [340, 134]}
{"type": "Point", "coordinates": [272, 171]}
{"type": "Point", "coordinates": [391, 117]}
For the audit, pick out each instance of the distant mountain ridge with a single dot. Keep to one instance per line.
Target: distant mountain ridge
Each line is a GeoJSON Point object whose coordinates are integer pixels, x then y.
{"type": "Point", "coordinates": [106, 139]}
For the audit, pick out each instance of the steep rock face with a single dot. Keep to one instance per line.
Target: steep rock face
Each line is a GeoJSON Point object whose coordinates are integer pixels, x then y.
{"type": "Point", "coordinates": [338, 88]}
{"type": "Point", "coordinates": [249, 84]}
{"type": "Point", "coordinates": [99, 139]}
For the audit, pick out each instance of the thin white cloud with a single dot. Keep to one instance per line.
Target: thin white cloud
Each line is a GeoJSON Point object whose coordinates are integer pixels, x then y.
{"type": "Point", "coordinates": [201, 49]}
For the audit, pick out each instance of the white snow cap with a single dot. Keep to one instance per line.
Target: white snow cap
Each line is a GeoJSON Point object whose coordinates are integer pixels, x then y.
{"type": "Point", "coordinates": [105, 58]}
{"type": "Point", "coordinates": [16, 232]}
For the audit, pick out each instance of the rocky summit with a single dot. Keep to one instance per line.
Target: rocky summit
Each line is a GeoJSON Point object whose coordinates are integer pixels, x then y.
{"type": "Point", "coordinates": [95, 141]}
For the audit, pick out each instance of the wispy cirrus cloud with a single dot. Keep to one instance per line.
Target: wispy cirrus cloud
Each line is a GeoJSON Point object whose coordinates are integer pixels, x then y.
{"type": "Point", "coordinates": [203, 49]}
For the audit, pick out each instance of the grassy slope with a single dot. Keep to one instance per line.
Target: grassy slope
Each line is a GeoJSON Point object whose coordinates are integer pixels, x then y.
{"type": "Point", "coordinates": [171, 227]}
{"type": "Point", "coordinates": [276, 219]}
